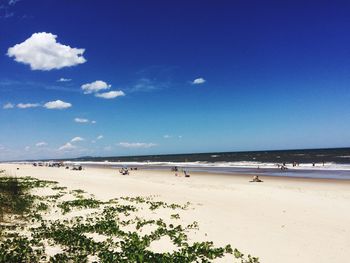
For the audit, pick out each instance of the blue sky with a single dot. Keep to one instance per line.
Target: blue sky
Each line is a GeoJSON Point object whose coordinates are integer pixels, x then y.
{"type": "Point", "coordinates": [107, 78]}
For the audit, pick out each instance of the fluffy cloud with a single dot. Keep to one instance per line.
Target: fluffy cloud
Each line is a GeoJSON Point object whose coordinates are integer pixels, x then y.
{"type": "Point", "coordinates": [136, 145]}
{"type": "Point", "coordinates": [41, 144]}
{"type": "Point", "coordinates": [57, 105]}
{"type": "Point", "coordinates": [93, 122]}
{"type": "Point", "coordinates": [81, 120]}
{"type": "Point", "coordinates": [99, 137]}
{"type": "Point", "coordinates": [110, 94]}
{"type": "Point", "coordinates": [98, 86]}
{"type": "Point", "coordinates": [67, 147]}
{"type": "Point", "coordinates": [8, 106]}
{"type": "Point", "coordinates": [63, 80]}
{"type": "Point", "coordinates": [27, 105]}
{"type": "Point", "coordinates": [198, 81]}
{"type": "Point", "coordinates": [42, 52]}
{"type": "Point", "coordinates": [77, 139]}
{"type": "Point", "coordinates": [95, 86]}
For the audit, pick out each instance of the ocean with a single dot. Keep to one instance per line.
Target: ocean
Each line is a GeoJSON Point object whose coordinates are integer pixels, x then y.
{"type": "Point", "coordinates": [309, 163]}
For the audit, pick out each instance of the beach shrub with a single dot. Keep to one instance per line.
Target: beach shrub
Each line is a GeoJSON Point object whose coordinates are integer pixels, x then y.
{"type": "Point", "coordinates": [19, 249]}
{"type": "Point", "coordinates": [122, 232]}
{"type": "Point", "coordinates": [14, 197]}
{"type": "Point", "coordinates": [67, 206]}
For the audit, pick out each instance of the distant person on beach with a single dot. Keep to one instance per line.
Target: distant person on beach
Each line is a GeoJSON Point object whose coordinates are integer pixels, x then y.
{"type": "Point", "coordinates": [256, 179]}
{"type": "Point", "coordinates": [283, 167]}
{"type": "Point", "coordinates": [124, 171]}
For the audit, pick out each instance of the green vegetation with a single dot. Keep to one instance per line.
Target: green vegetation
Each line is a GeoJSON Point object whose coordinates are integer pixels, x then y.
{"type": "Point", "coordinates": [67, 206]}
{"type": "Point", "coordinates": [175, 216]}
{"type": "Point", "coordinates": [113, 231]}
{"type": "Point", "coordinates": [15, 199]}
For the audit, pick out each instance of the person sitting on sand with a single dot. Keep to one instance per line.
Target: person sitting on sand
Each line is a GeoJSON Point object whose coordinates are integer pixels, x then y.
{"type": "Point", "coordinates": [256, 179]}
{"type": "Point", "coordinates": [124, 171]}
{"type": "Point", "coordinates": [186, 174]}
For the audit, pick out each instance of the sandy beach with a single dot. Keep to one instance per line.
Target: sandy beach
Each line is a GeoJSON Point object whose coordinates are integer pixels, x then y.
{"type": "Point", "coordinates": [279, 220]}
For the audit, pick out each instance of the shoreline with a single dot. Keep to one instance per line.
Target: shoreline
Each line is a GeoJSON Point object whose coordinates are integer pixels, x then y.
{"type": "Point", "coordinates": [326, 171]}
{"type": "Point", "coordinates": [279, 220]}
{"type": "Point", "coordinates": [261, 172]}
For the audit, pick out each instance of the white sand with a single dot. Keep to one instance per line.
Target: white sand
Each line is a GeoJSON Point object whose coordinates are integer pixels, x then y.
{"type": "Point", "coordinates": [279, 220]}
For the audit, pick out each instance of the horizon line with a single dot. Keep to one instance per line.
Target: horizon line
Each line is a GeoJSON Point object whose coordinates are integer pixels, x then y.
{"type": "Point", "coordinates": [175, 154]}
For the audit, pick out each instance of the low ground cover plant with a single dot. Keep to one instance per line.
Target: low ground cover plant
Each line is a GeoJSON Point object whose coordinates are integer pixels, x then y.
{"type": "Point", "coordinates": [113, 231]}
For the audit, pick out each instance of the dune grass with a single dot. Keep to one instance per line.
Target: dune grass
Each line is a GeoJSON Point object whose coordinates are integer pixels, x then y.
{"type": "Point", "coordinates": [126, 235]}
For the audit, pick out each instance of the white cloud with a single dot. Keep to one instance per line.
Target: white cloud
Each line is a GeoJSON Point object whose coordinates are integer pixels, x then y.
{"type": "Point", "coordinates": [110, 94]}
{"type": "Point", "coordinates": [198, 81]}
{"type": "Point", "coordinates": [57, 104]}
{"type": "Point", "coordinates": [95, 86]}
{"type": "Point", "coordinates": [63, 80]}
{"type": "Point", "coordinates": [27, 148]}
{"type": "Point", "coordinates": [8, 106]}
{"type": "Point", "coordinates": [81, 120]}
{"type": "Point", "coordinates": [99, 137]}
{"type": "Point", "coordinates": [167, 136]}
{"type": "Point", "coordinates": [136, 145]}
{"type": "Point", "coordinates": [67, 147]}
{"type": "Point", "coordinates": [41, 144]}
{"type": "Point", "coordinates": [42, 52]}
{"type": "Point", "coordinates": [77, 139]}
{"type": "Point", "coordinates": [98, 86]}
{"type": "Point", "coordinates": [27, 105]}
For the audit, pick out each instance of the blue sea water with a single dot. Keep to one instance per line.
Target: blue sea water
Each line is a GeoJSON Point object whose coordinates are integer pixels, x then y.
{"type": "Point", "coordinates": [310, 163]}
